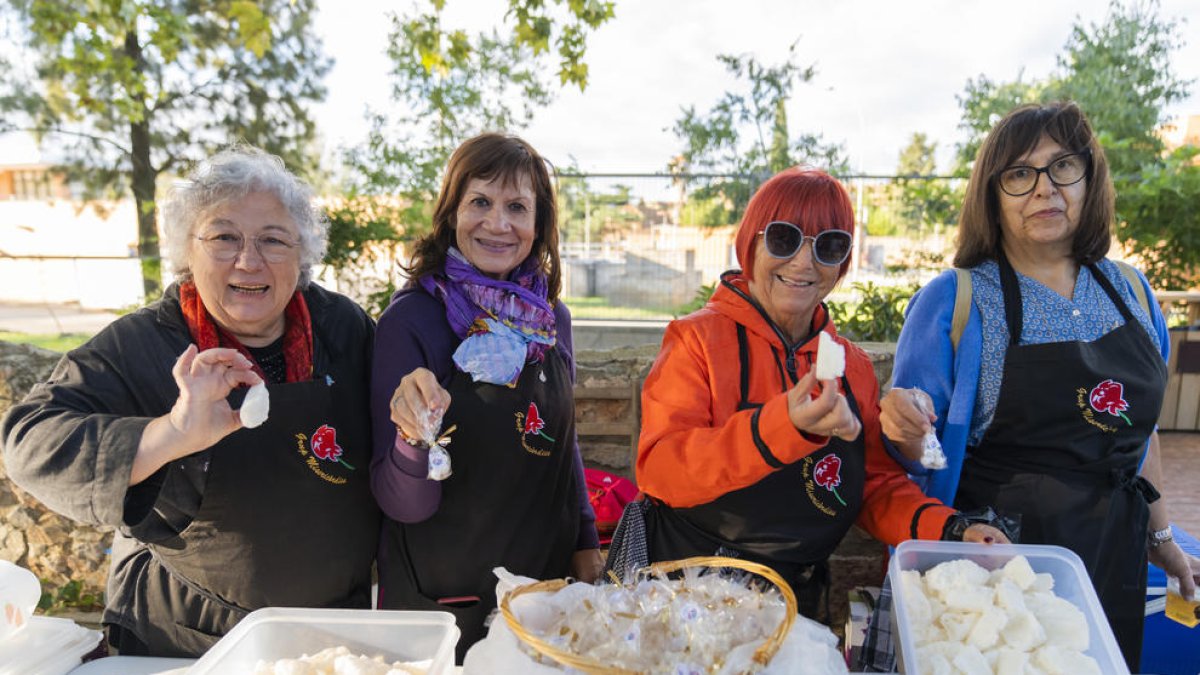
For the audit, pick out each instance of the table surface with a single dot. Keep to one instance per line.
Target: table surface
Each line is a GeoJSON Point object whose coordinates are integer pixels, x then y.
{"type": "Point", "coordinates": [146, 665]}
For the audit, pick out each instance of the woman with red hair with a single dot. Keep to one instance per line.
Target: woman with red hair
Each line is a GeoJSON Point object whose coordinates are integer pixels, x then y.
{"type": "Point", "coordinates": [743, 451]}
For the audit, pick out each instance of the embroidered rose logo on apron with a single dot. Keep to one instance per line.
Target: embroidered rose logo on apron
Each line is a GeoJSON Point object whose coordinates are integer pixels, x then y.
{"type": "Point", "coordinates": [1108, 396]}
{"type": "Point", "coordinates": [530, 423]}
{"type": "Point", "coordinates": [322, 446]}
{"type": "Point", "coordinates": [534, 422]}
{"type": "Point", "coordinates": [828, 474]}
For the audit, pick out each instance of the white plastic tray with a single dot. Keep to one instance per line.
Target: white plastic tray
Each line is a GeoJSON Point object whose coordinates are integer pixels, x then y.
{"type": "Point", "coordinates": [1071, 583]}
{"type": "Point", "coordinates": [278, 633]}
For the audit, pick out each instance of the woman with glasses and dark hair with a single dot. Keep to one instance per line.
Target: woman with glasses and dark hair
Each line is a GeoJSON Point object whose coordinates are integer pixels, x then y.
{"type": "Point", "coordinates": [140, 428]}
{"type": "Point", "coordinates": [743, 451]}
{"type": "Point", "coordinates": [1046, 398]}
{"type": "Point", "coordinates": [478, 347]}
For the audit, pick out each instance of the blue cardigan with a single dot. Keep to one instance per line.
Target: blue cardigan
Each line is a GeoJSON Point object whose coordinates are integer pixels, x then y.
{"type": "Point", "coordinates": [926, 359]}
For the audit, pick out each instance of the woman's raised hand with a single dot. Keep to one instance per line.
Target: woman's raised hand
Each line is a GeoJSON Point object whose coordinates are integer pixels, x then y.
{"type": "Point", "coordinates": [417, 398]}
{"type": "Point", "coordinates": [904, 420]}
{"type": "Point", "coordinates": [201, 415]}
{"type": "Point", "coordinates": [827, 414]}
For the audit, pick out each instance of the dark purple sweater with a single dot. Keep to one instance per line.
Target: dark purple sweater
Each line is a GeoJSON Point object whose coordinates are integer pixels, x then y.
{"type": "Point", "coordinates": [413, 333]}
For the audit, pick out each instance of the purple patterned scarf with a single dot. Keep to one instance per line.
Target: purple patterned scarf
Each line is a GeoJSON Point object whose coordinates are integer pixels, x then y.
{"type": "Point", "coordinates": [476, 304]}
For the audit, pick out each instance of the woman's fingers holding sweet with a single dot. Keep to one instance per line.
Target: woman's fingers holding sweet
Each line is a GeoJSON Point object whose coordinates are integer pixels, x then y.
{"type": "Point", "coordinates": [210, 360]}
{"type": "Point", "coordinates": [237, 377]}
{"type": "Point", "coordinates": [433, 396]}
{"type": "Point", "coordinates": [827, 414]}
{"type": "Point", "coordinates": [417, 397]}
{"type": "Point", "coordinates": [840, 422]}
{"type": "Point", "coordinates": [900, 417]}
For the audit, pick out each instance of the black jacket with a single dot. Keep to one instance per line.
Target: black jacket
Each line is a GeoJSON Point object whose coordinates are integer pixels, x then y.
{"type": "Point", "coordinates": [72, 441]}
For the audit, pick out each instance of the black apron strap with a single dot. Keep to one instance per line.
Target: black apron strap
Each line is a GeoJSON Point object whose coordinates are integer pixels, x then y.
{"type": "Point", "coordinates": [744, 367]}
{"type": "Point", "coordinates": [1013, 307]}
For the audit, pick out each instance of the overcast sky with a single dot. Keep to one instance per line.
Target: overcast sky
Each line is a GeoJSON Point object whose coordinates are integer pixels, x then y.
{"type": "Point", "coordinates": [885, 69]}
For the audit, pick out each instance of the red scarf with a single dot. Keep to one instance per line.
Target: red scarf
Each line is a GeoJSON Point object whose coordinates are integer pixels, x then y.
{"type": "Point", "coordinates": [297, 333]}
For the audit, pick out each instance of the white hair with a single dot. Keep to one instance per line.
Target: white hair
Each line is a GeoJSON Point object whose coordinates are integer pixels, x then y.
{"type": "Point", "coordinates": [228, 176]}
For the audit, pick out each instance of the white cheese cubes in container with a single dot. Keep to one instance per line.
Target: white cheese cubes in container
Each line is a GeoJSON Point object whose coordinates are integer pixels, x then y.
{"type": "Point", "coordinates": [997, 609]}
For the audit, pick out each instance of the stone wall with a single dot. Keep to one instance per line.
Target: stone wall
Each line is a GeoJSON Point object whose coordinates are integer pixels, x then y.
{"type": "Point", "coordinates": [55, 548]}
{"type": "Point", "coordinates": [59, 550]}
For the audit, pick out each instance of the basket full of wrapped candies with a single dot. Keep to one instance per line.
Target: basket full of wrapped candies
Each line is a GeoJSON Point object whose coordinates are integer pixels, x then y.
{"type": "Point", "coordinates": [697, 615]}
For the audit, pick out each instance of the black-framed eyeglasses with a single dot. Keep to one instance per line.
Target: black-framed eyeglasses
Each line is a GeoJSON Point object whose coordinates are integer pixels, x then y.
{"type": "Point", "coordinates": [784, 240]}
{"type": "Point", "coordinates": [1018, 181]}
{"type": "Point", "coordinates": [227, 246]}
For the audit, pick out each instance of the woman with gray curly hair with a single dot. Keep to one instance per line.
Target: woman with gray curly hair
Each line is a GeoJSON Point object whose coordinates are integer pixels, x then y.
{"type": "Point", "coordinates": [141, 429]}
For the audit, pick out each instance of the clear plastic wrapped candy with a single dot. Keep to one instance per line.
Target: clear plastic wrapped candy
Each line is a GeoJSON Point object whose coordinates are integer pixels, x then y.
{"type": "Point", "coordinates": [704, 621]}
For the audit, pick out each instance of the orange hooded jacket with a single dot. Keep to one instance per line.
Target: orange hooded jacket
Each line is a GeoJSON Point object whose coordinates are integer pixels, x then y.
{"type": "Point", "coordinates": [695, 444]}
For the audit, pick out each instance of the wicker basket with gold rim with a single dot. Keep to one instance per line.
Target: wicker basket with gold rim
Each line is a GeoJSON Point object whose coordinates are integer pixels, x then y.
{"type": "Point", "coordinates": [762, 656]}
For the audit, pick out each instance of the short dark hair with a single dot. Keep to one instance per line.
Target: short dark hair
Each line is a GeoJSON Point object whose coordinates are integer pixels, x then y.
{"type": "Point", "coordinates": [490, 156]}
{"type": "Point", "coordinates": [979, 230]}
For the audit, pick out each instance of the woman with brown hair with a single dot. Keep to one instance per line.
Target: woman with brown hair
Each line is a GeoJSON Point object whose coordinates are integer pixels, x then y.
{"type": "Point", "coordinates": [478, 342]}
{"type": "Point", "coordinates": [1046, 406]}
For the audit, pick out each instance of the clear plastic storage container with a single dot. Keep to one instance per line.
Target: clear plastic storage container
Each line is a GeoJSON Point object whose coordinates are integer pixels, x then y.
{"type": "Point", "coordinates": [279, 633]}
{"type": "Point", "coordinates": [1071, 583]}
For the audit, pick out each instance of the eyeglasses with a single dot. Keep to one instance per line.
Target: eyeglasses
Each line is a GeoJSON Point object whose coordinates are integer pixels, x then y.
{"type": "Point", "coordinates": [1019, 181]}
{"type": "Point", "coordinates": [227, 246]}
{"type": "Point", "coordinates": [784, 240]}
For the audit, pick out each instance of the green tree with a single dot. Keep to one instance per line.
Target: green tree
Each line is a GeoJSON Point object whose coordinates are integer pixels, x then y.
{"type": "Point", "coordinates": [984, 103]}
{"type": "Point", "coordinates": [1120, 73]}
{"type": "Point", "coordinates": [452, 85]}
{"type": "Point", "coordinates": [127, 90]}
{"type": "Point", "coordinates": [925, 199]}
{"type": "Point", "coordinates": [586, 214]}
{"type": "Point", "coordinates": [482, 82]}
{"type": "Point", "coordinates": [1158, 219]}
{"type": "Point", "coordinates": [745, 136]}
{"type": "Point", "coordinates": [534, 25]}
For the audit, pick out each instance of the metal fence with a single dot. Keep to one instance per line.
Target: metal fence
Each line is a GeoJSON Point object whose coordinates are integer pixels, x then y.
{"type": "Point", "coordinates": [633, 245]}
{"type": "Point", "coordinates": [645, 244]}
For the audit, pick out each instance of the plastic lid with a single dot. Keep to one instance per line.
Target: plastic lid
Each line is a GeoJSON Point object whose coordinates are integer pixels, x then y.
{"type": "Point", "coordinates": [19, 593]}
{"type": "Point", "coordinates": [47, 645]}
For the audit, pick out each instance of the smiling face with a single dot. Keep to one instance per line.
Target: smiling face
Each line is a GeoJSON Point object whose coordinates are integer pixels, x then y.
{"type": "Point", "coordinates": [1046, 219]}
{"type": "Point", "coordinates": [247, 295]}
{"type": "Point", "coordinates": [790, 289]}
{"type": "Point", "coordinates": [496, 223]}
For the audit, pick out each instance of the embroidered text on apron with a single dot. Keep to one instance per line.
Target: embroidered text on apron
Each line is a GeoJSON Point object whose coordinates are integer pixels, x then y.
{"type": "Point", "coordinates": [1063, 449]}
{"type": "Point", "coordinates": [791, 520]}
{"type": "Point", "coordinates": [287, 518]}
{"type": "Point", "coordinates": [511, 501]}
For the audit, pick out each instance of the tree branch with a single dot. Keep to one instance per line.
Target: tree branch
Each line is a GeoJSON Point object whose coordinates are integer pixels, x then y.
{"type": "Point", "coordinates": [64, 132]}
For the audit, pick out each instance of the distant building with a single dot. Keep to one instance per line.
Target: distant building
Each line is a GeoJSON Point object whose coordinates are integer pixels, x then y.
{"type": "Point", "coordinates": [56, 248]}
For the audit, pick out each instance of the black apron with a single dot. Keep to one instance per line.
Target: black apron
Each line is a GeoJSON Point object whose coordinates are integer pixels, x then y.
{"type": "Point", "coordinates": [511, 501]}
{"type": "Point", "coordinates": [1063, 450]}
{"type": "Point", "coordinates": [791, 520]}
{"type": "Point", "coordinates": [287, 519]}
